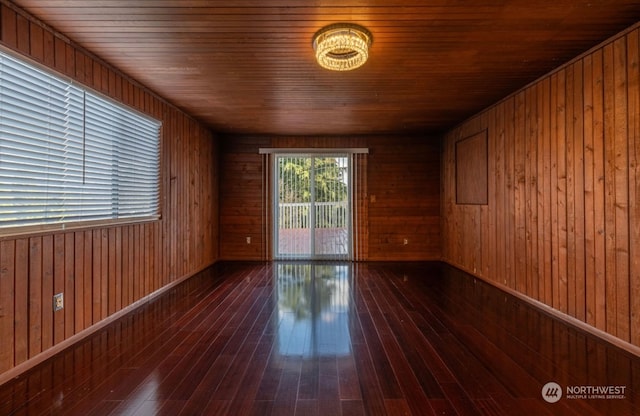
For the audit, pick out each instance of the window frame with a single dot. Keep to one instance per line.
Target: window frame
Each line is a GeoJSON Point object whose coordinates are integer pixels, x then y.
{"type": "Point", "coordinates": [8, 231]}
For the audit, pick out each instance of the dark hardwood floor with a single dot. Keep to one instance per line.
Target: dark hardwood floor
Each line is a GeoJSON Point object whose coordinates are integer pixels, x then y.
{"type": "Point", "coordinates": [330, 339]}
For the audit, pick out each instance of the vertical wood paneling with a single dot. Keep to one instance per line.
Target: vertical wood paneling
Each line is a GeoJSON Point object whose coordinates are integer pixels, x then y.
{"type": "Point", "coordinates": [36, 299]}
{"type": "Point", "coordinates": [8, 26]}
{"type": "Point", "coordinates": [519, 193]}
{"type": "Point", "coordinates": [578, 191]}
{"type": "Point", "coordinates": [137, 263]}
{"type": "Point", "coordinates": [447, 164]}
{"type": "Point", "coordinates": [611, 306]}
{"type": "Point", "coordinates": [403, 177]}
{"type": "Point", "coordinates": [46, 308]}
{"type": "Point", "coordinates": [21, 301]}
{"type": "Point", "coordinates": [49, 49]}
{"type": "Point", "coordinates": [570, 151]}
{"type": "Point", "coordinates": [112, 291]}
{"type": "Point", "coordinates": [599, 191]}
{"type": "Point", "coordinates": [241, 199]}
{"type": "Point", "coordinates": [69, 288]}
{"type": "Point", "coordinates": [401, 193]}
{"type": "Point", "coordinates": [96, 284]}
{"type": "Point", "coordinates": [509, 227]}
{"type": "Point", "coordinates": [566, 229]}
{"type": "Point", "coordinates": [531, 193]}
{"type": "Point", "coordinates": [116, 252]}
{"type": "Point", "coordinates": [23, 31]}
{"type": "Point", "coordinates": [633, 100]}
{"type": "Point", "coordinates": [87, 277]}
{"type": "Point", "coordinates": [36, 42]}
{"type": "Point", "coordinates": [493, 193]}
{"type": "Point", "coordinates": [60, 58]}
{"type": "Point", "coordinates": [621, 144]}
{"type": "Point", "coordinates": [78, 283]}
{"type": "Point", "coordinates": [101, 271]}
{"type": "Point", "coordinates": [146, 260]}
{"type": "Point", "coordinates": [126, 266]}
{"type": "Point", "coordinates": [589, 191]}
{"type": "Point", "coordinates": [500, 246]}
{"type": "Point", "coordinates": [7, 289]}
{"type": "Point", "coordinates": [561, 300]}
{"type": "Point", "coordinates": [544, 198]}
{"type": "Point", "coordinates": [58, 286]}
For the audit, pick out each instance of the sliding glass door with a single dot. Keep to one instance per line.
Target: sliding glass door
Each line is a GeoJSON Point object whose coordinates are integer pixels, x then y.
{"type": "Point", "coordinates": [312, 207]}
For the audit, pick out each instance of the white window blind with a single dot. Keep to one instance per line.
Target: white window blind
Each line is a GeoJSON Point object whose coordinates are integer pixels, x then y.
{"type": "Point", "coordinates": [70, 155]}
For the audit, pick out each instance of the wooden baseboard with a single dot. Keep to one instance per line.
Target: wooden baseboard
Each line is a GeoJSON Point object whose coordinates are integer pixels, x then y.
{"type": "Point", "coordinates": [570, 320]}
{"type": "Point", "coordinates": [34, 361]}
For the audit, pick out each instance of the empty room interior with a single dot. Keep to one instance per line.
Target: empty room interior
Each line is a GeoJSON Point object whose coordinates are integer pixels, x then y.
{"type": "Point", "coordinates": [277, 207]}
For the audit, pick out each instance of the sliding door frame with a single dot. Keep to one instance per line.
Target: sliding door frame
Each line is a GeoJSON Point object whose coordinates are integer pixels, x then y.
{"type": "Point", "coordinates": [312, 225]}
{"type": "Point", "coordinates": [357, 197]}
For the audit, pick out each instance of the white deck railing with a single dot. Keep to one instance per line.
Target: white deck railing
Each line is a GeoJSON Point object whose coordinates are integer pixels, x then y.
{"type": "Point", "coordinates": [327, 215]}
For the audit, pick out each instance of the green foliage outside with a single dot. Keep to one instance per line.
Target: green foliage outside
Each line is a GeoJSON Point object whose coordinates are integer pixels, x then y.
{"type": "Point", "coordinates": [329, 179]}
{"type": "Point", "coordinates": [330, 191]}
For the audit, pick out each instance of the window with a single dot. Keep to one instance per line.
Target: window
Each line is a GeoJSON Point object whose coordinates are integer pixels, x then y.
{"type": "Point", "coordinates": [69, 155]}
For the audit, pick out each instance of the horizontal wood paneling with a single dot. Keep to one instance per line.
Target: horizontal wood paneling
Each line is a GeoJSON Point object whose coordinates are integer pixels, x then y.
{"type": "Point", "coordinates": [402, 197]}
{"type": "Point", "coordinates": [562, 221]}
{"type": "Point", "coordinates": [103, 270]}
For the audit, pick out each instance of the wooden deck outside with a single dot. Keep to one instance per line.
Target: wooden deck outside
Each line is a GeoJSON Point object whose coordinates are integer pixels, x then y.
{"type": "Point", "coordinates": [328, 241]}
{"type": "Point", "coordinates": [329, 339]}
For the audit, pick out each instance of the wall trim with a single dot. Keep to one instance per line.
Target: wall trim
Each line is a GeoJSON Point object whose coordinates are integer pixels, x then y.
{"type": "Point", "coordinates": [25, 366]}
{"type": "Point", "coordinates": [554, 313]}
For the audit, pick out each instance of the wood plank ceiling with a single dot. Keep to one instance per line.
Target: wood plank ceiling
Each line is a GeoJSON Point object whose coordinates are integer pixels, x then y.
{"type": "Point", "coordinates": [247, 66]}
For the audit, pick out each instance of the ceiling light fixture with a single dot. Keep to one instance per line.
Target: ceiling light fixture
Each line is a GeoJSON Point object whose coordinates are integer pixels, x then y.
{"type": "Point", "coordinates": [342, 46]}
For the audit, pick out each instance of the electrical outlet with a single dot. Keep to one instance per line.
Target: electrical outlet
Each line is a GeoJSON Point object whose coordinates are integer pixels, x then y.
{"type": "Point", "coordinates": [58, 302]}
{"type": "Point", "coordinates": [248, 240]}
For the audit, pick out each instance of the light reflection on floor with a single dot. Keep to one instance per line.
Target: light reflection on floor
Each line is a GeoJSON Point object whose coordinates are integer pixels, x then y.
{"type": "Point", "coordinates": [314, 303]}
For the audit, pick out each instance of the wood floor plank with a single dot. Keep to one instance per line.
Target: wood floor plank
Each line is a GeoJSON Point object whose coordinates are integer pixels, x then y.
{"type": "Point", "coordinates": [306, 407]}
{"type": "Point", "coordinates": [328, 387]}
{"type": "Point", "coordinates": [348, 379]}
{"type": "Point", "coordinates": [352, 408]}
{"type": "Point", "coordinates": [407, 379]}
{"type": "Point", "coordinates": [297, 339]}
{"type": "Point", "coordinates": [245, 397]}
{"type": "Point", "coordinates": [286, 396]}
{"type": "Point", "coordinates": [309, 379]}
{"type": "Point", "coordinates": [389, 386]}
{"type": "Point", "coordinates": [270, 378]}
{"type": "Point", "coordinates": [371, 392]}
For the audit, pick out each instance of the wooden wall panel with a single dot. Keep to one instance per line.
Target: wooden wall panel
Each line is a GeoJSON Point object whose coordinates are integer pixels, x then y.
{"type": "Point", "coordinates": [562, 219]}
{"type": "Point", "coordinates": [633, 102]}
{"type": "Point", "coordinates": [404, 198]}
{"type": "Point", "coordinates": [241, 199]}
{"type": "Point", "coordinates": [104, 270]}
{"type": "Point", "coordinates": [471, 170]}
{"type": "Point", "coordinates": [403, 201]}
